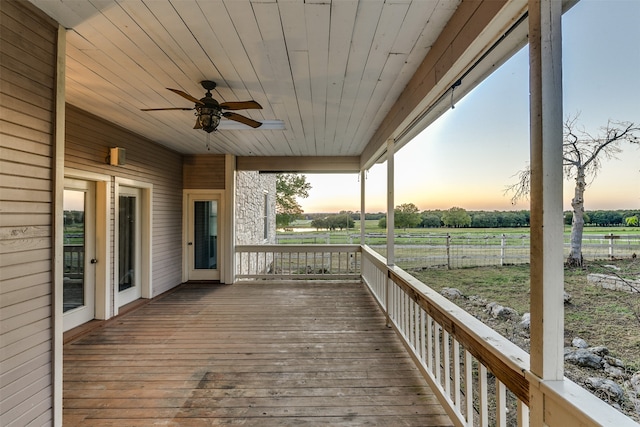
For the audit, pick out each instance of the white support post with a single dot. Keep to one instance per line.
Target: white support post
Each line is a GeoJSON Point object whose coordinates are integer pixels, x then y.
{"type": "Point", "coordinates": [362, 206]}
{"type": "Point", "coordinates": [229, 238]}
{"type": "Point", "coordinates": [57, 219]}
{"type": "Point", "coordinates": [547, 274]}
{"type": "Point", "coordinates": [390, 204]}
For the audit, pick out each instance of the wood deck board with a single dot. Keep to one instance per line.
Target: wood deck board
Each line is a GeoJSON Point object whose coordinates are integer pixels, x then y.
{"type": "Point", "coordinates": [268, 354]}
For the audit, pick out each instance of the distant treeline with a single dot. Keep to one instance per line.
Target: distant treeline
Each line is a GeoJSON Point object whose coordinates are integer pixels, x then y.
{"type": "Point", "coordinates": [458, 217]}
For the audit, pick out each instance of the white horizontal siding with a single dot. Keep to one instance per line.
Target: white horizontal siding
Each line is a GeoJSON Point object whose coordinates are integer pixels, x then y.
{"type": "Point", "coordinates": [28, 49]}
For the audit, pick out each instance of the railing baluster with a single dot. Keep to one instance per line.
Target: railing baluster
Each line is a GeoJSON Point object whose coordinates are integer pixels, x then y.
{"type": "Point", "coordinates": [523, 414]}
{"type": "Point", "coordinates": [456, 375]}
{"type": "Point", "coordinates": [468, 387]}
{"type": "Point", "coordinates": [483, 400]}
{"type": "Point", "coordinates": [501, 404]}
{"type": "Point", "coordinates": [438, 359]}
{"type": "Point", "coordinates": [423, 346]}
{"type": "Point", "coordinates": [446, 364]}
{"type": "Point", "coordinates": [430, 344]}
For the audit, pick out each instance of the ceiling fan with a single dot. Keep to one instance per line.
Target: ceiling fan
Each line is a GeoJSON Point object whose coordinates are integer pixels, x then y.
{"type": "Point", "coordinates": [209, 111]}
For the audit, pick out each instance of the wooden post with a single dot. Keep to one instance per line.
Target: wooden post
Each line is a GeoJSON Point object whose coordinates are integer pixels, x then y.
{"type": "Point", "coordinates": [503, 246]}
{"type": "Point", "coordinates": [546, 254]}
{"type": "Point", "coordinates": [448, 245]}
{"type": "Point", "coordinates": [390, 204]}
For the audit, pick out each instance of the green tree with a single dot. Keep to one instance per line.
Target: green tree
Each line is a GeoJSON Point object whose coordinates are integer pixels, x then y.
{"type": "Point", "coordinates": [289, 186]}
{"type": "Point", "coordinates": [429, 220]}
{"type": "Point", "coordinates": [631, 221]}
{"type": "Point", "coordinates": [406, 215]}
{"type": "Point", "coordinates": [456, 217]}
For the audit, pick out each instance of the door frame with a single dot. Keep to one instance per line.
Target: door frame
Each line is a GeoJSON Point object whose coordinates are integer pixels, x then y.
{"type": "Point", "coordinates": [102, 238]}
{"type": "Point", "coordinates": [146, 225]}
{"type": "Point", "coordinates": [187, 196]}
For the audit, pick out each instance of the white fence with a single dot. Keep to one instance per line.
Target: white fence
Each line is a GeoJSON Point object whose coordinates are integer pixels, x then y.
{"type": "Point", "coordinates": [471, 250]}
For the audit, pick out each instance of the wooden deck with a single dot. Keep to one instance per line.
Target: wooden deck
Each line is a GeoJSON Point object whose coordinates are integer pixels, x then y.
{"type": "Point", "coordinates": [258, 354]}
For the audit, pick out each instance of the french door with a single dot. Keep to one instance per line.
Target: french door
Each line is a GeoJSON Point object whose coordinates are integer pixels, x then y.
{"type": "Point", "coordinates": [79, 276]}
{"type": "Point", "coordinates": [129, 237]}
{"type": "Point", "coordinates": [203, 255]}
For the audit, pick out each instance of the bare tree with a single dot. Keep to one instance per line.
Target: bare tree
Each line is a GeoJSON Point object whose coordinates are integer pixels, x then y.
{"type": "Point", "coordinates": [582, 156]}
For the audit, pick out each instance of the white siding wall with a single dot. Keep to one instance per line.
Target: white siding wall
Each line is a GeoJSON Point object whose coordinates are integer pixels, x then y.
{"type": "Point", "coordinates": [27, 79]}
{"type": "Point", "coordinates": [88, 139]}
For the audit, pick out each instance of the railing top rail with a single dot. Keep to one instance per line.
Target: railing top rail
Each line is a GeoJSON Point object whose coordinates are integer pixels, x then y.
{"type": "Point", "coordinates": [299, 248]}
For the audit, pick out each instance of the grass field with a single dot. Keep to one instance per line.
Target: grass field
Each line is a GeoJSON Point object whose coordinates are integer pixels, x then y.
{"type": "Point", "coordinates": [371, 226]}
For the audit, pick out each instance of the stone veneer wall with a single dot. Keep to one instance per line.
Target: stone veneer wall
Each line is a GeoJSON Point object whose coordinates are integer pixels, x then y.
{"type": "Point", "coordinates": [251, 188]}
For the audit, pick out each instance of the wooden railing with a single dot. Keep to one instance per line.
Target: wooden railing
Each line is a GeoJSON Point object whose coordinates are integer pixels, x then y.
{"type": "Point", "coordinates": [335, 262]}
{"type": "Point", "coordinates": [74, 261]}
{"type": "Point", "coordinates": [480, 377]}
{"type": "Point", "coordinates": [454, 350]}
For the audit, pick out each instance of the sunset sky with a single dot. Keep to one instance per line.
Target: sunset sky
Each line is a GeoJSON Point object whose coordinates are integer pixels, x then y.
{"type": "Point", "coordinates": [469, 155]}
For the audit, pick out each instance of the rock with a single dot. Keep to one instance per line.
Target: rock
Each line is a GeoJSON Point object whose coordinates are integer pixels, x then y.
{"type": "Point", "coordinates": [583, 357]}
{"type": "Point", "coordinates": [613, 371]}
{"type": "Point", "coordinates": [579, 343]}
{"type": "Point", "coordinates": [500, 312]}
{"type": "Point", "coordinates": [614, 362]}
{"type": "Point", "coordinates": [613, 267]}
{"type": "Point", "coordinates": [635, 383]}
{"type": "Point", "coordinates": [612, 390]}
{"type": "Point", "coordinates": [477, 301]}
{"type": "Point", "coordinates": [451, 293]}
{"type": "Point", "coordinates": [525, 323]}
{"type": "Point", "coordinates": [599, 350]}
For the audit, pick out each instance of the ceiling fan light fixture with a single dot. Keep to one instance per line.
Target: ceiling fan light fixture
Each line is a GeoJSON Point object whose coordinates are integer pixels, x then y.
{"type": "Point", "coordinates": [209, 118]}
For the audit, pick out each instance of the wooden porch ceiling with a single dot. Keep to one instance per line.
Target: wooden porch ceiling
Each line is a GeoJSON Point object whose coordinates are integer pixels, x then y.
{"type": "Point", "coordinates": [267, 354]}
{"type": "Point", "coordinates": [344, 76]}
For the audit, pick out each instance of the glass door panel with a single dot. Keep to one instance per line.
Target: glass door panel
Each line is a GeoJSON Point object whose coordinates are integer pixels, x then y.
{"type": "Point", "coordinates": [129, 245]}
{"type": "Point", "coordinates": [203, 256]}
{"type": "Point", "coordinates": [73, 293]}
{"type": "Point", "coordinates": [78, 282]}
{"type": "Point", "coordinates": [205, 235]}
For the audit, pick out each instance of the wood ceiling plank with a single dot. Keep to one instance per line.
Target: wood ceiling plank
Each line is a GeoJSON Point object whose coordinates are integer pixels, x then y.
{"type": "Point", "coordinates": [364, 29]}
{"type": "Point", "coordinates": [162, 35]}
{"type": "Point", "coordinates": [300, 69]}
{"type": "Point", "coordinates": [317, 18]}
{"type": "Point", "coordinates": [227, 48]}
{"type": "Point", "coordinates": [389, 26]}
{"type": "Point", "coordinates": [211, 56]}
{"type": "Point", "coordinates": [274, 57]}
{"type": "Point", "coordinates": [381, 101]}
{"type": "Point", "coordinates": [343, 15]}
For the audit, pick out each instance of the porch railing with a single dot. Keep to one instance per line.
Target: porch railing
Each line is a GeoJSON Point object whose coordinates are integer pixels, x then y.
{"type": "Point", "coordinates": [480, 377]}
{"type": "Point", "coordinates": [335, 262]}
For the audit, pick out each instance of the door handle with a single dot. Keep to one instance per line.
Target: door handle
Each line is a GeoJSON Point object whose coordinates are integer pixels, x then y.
{"type": "Point", "coordinates": [190, 244]}
{"type": "Point", "coordinates": [94, 261]}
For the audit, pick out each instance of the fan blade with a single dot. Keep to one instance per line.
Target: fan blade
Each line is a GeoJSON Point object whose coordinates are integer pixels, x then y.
{"type": "Point", "coordinates": [186, 96]}
{"type": "Point", "coordinates": [198, 125]}
{"type": "Point", "coordinates": [241, 105]}
{"type": "Point", "coordinates": [242, 119]}
{"type": "Point", "coordinates": [163, 109]}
